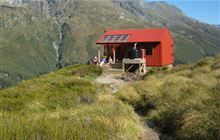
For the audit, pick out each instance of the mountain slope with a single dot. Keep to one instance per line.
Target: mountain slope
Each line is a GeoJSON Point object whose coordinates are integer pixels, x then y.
{"type": "Point", "coordinates": [193, 39]}
{"type": "Point", "coordinates": [69, 30]}
{"type": "Point", "coordinates": [26, 45]}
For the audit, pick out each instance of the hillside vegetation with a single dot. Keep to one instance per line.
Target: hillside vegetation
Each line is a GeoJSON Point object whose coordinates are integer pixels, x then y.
{"type": "Point", "coordinates": [183, 103]}
{"type": "Point", "coordinates": [65, 105]}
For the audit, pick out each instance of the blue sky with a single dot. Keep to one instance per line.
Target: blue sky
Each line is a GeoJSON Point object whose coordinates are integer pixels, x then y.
{"type": "Point", "coordinates": [207, 11]}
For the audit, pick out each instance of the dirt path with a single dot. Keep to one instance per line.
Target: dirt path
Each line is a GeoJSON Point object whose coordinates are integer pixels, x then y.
{"type": "Point", "coordinates": [113, 78]}
{"type": "Point", "coordinates": [149, 133]}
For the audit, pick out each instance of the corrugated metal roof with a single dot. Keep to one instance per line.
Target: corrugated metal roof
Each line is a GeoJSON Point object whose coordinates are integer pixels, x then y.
{"type": "Point", "coordinates": [137, 35]}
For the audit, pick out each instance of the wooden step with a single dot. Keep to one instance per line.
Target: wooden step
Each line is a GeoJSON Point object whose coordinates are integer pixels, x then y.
{"type": "Point", "coordinates": [112, 70]}
{"type": "Point", "coordinates": [116, 65]}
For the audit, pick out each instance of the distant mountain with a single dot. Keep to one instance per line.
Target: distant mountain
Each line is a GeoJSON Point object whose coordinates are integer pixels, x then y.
{"type": "Point", "coordinates": [40, 35]}
{"type": "Point", "coordinates": [218, 26]}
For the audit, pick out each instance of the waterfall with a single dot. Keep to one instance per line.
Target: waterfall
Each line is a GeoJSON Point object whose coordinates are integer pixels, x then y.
{"type": "Point", "coordinates": [59, 46]}
{"type": "Point", "coordinates": [55, 46]}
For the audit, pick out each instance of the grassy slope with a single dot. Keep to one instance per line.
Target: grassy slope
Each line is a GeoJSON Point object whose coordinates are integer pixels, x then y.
{"type": "Point", "coordinates": [65, 105]}
{"type": "Point", "coordinates": [183, 103]}
{"type": "Point", "coordinates": [26, 45]}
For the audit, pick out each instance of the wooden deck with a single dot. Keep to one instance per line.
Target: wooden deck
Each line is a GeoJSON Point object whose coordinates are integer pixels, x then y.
{"type": "Point", "coordinates": [132, 62]}
{"type": "Point", "coordinates": [127, 64]}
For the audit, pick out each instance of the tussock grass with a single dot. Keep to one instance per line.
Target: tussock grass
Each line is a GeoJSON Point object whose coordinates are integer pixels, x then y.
{"type": "Point", "coordinates": [65, 105]}
{"type": "Point", "coordinates": [129, 95]}
{"type": "Point", "coordinates": [182, 103]}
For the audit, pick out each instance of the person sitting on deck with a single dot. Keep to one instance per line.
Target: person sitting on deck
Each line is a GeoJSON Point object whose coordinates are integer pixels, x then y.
{"type": "Point", "coordinates": [89, 62]}
{"type": "Point", "coordinates": [110, 61]}
{"type": "Point", "coordinates": [104, 60]}
{"type": "Point", "coordinates": [95, 60]}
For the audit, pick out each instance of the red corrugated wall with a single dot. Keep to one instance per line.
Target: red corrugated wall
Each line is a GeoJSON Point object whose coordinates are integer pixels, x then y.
{"type": "Point", "coordinates": [167, 49]}
{"type": "Point", "coordinates": [155, 58]}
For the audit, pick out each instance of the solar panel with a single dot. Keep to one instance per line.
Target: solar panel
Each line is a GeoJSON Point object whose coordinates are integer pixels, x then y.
{"type": "Point", "coordinates": [115, 38]}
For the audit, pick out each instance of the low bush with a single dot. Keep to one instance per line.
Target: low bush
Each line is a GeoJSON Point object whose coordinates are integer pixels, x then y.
{"type": "Point", "coordinates": [83, 70]}
{"type": "Point", "coordinates": [100, 121]}
{"type": "Point", "coordinates": [129, 95]}
{"type": "Point", "coordinates": [65, 105]}
{"type": "Point", "coordinates": [182, 103]}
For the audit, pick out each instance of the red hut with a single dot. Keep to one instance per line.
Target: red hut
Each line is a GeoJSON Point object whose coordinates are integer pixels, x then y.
{"type": "Point", "coordinates": [155, 46]}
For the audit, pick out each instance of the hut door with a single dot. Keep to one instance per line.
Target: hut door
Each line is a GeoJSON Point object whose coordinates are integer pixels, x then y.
{"type": "Point", "coordinates": [109, 51]}
{"type": "Point", "coordinates": [118, 54]}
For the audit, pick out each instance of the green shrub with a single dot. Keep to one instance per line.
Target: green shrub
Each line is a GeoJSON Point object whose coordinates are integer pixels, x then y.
{"type": "Point", "coordinates": [65, 105]}
{"type": "Point", "coordinates": [83, 70]}
{"type": "Point", "coordinates": [129, 95]}
{"type": "Point", "coordinates": [183, 103]}
{"type": "Point", "coordinates": [141, 95]}
{"type": "Point", "coordinates": [205, 62]}
{"type": "Point", "coordinates": [197, 125]}
{"type": "Point", "coordinates": [104, 120]}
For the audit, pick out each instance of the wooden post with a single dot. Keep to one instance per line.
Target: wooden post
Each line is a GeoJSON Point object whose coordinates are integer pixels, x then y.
{"type": "Point", "coordinates": [142, 53]}
{"type": "Point", "coordinates": [113, 49]}
{"type": "Point", "coordinates": [105, 51]}
{"type": "Point", "coordinates": [99, 55]}
{"type": "Point", "coordinates": [144, 68]}
{"type": "Point", "coordinates": [123, 67]}
{"type": "Point", "coordinates": [139, 68]}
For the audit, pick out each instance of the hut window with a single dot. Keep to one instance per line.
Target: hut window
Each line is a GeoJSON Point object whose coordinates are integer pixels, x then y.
{"type": "Point", "coordinates": [149, 51]}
